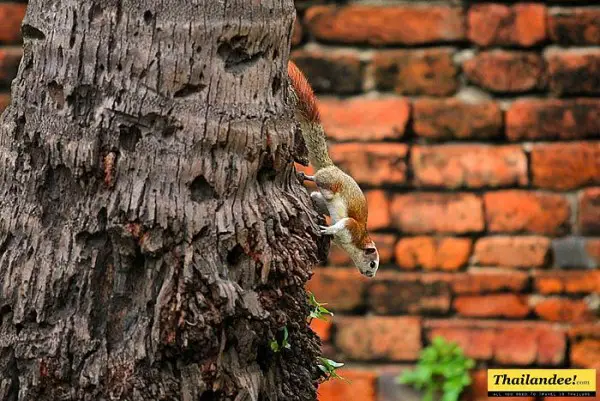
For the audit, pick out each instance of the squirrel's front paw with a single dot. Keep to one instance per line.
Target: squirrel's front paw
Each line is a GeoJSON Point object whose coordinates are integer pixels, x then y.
{"type": "Point", "coordinates": [324, 230]}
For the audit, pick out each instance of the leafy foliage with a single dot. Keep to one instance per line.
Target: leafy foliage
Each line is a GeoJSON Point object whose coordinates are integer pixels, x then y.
{"type": "Point", "coordinates": [277, 346]}
{"type": "Point", "coordinates": [319, 311]}
{"type": "Point", "coordinates": [329, 367]}
{"type": "Point", "coordinates": [442, 369]}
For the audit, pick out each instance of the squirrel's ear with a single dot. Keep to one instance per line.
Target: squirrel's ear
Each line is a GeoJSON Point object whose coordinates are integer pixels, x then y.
{"type": "Point", "coordinates": [370, 250]}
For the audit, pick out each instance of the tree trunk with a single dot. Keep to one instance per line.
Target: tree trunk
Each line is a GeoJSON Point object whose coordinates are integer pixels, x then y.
{"type": "Point", "coordinates": [154, 238]}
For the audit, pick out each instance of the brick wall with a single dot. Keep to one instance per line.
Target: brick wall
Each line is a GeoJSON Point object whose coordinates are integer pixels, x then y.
{"type": "Point", "coordinates": [474, 129]}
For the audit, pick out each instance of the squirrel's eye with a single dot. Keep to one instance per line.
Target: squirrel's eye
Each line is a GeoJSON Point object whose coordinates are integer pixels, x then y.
{"type": "Point", "coordinates": [372, 264]}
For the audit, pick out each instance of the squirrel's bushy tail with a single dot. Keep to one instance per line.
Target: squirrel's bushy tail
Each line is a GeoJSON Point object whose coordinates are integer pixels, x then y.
{"type": "Point", "coordinates": [308, 112]}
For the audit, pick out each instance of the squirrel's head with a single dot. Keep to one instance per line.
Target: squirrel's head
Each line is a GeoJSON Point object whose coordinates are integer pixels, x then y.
{"type": "Point", "coordinates": [367, 260]}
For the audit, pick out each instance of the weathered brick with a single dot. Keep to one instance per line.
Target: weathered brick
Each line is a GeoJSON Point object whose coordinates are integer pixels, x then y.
{"type": "Point", "coordinates": [454, 118]}
{"type": "Point", "coordinates": [586, 354]}
{"type": "Point", "coordinates": [10, 57]}
{"type": "Point", "coordinates": [342, 289]}
{"type": "Point", "coordinates": [510, 343]}
{"type": "Point", "coordinates": [523, 211]}
{"type": "Point", "coordinates": [339, 73]}
{"type": "Point", "coordinates": [376, 25]}
{"type": "Point", "coordinates": [297, 33]}
{"type": "Point", "coordinates": [416, 72]}
{"type": "Point", "coordinates": [485, 280]}
{"type": "Point", "coordinates": [528, 251]}
{"type": "Point", "coordinates": [385, 247]}
{"type": "Point", "coordinates": [574, 252]}
{"type": "Point", "coordinates": [372, 163]}
{"type": "Point", "coordinates": [11, 15]}
{"type": "Point", "coordinates": [364, 119]}
{"type": "Point", "coordinates": [362, 386]}
{"type": "Point", "coordinates": [574, 72]}
{"type": "Point", "coordinates": [496, 24]}
{"type": "Point", "coordinates": [496, 305]}
{"type": "Point", "coordinates": [506, 71]}
{"type": "Point", "coordinates": [4, 101]}
{"type": "Point", "coordinates": [472, 166]}
{"type": "Point", "coordinates": [322, 328]}
{"type": "Point", "coordinates": [379, 209]}
{"type": "Point", "coordinates": [431, 253]}
{"type": "Point", "coordinates": [393, 293]}
{"type": "Point", "coordinates": [560, 309]}
{"type": "Point", "coordinates": [389, 389]}
{"type": "Point", "coordinates": [589, 208]}
{"type": "Point", "coordinates": [566, 165]}
{"type": "Point", "coordinates": [574, 26]}
{"type": "Point", "coordinates": [379, 338]}
{"type": "Point", "coordinates": [569, 282]}
{"type": "Point", "coordinates": [592, 248]}
{"type": "Point", "coordinates": [553, 119]}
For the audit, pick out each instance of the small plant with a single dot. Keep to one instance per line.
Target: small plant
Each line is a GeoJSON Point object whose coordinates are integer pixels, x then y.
{"type": "Point", "coordinates": [329, 367]}
{"type": "Point", "coordinates": [319, 311]}
{"type": "Point", "coordinates": [442, 369]}
{"type": "Point", "coordinates": [277, 346]}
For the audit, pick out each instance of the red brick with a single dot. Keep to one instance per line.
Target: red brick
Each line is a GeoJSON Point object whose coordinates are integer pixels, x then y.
{"type": "Point", "coordinates": [297, 33]}
{"type": "Point", "coordinates": [385, 248]}
{"type": "Point", "coordinates": [496, 305]}
{"type": "Point", "coordinates": [364, 119]}
{"type": "Point", "coordinates": [574, 26]}
{"type": "Point", "coordinates": [341, 289]}
{"type": "Point", "coordinates": [562, 309]}
{"type": "Point", "coordinates": [506, 71]}
{"type": "Point", "coordinates": [473, 166]}
{"type": "Point", "coordinates": [4, 101]}
{"type": "Point", "coordinates": [477, 391]}
{"type": "Point", "coordinates": [574, 72]}
{"type": "Point", "coordinates": [339, 73]}
{"type": "Point", "coordinates": [11, 15]}
{"type": "Point", "coordinates": [476, 344]}
{"type": "Point", "coordinates": [553, 119]}
{"type": "Point", "coordinates": [497, 24]}
{"type": "Point", "coordinates": [570, 282]}
{"type": "Point", "coordinates": [432, 253]}
{"type": "Point", "coordinates": [586, 354]}
{"type": "Point", "coordinates": [565, 165]}
{"type": "Point", "coordinates": [379, 209]}
{"type": "Point", "coordinates": [506, 251]}
{"type": "Point", "coordinates": [372, 163]}
{"type": "Point", "coordinates": [422, 213]}
{"type": "Point", "coordinates": [454, 118]}
{"type": "Point", "coordinates": [416, 72]}
{"type": "Point", "coordinates": [379, 338]}
{"type": "Point", "coordinates": [322, 328]}
{"type": "Point", "coordinates": [589, 209]}
{"type": "Point", "coordinates": [362, 386]}
{"type": "Point", "coordinates": [477, 281]}
{"type": "Point", "coordinates": [592, 249]}
{"type": "Point", "coordinates": [394, 293]}
{"type": "Point", "coordinates": [584, 330]}
{"type": "Point", "coordinates": [509, 343]}
{"type": "Point", "coordinates": [523, 211]}
{"type": "Point", "coordinates": [375, 25]}
{"type": "Point", "coordinates": [10, 57]}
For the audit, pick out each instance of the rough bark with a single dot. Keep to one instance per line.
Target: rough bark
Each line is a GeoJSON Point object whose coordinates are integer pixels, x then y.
{"type": "Point", "coordinates": [153, 235]}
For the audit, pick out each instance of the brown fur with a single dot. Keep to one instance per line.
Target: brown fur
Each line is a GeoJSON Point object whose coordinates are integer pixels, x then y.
{"type": "Point", "coordinates": [307, 102]}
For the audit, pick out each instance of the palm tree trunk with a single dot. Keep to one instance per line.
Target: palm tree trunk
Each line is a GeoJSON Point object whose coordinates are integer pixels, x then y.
{"type": "Point", "coordinates": [154, 239]}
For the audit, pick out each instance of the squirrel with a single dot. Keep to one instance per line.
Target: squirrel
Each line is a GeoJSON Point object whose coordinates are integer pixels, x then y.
{"type": "Point", "coordinates": [338, 194]}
